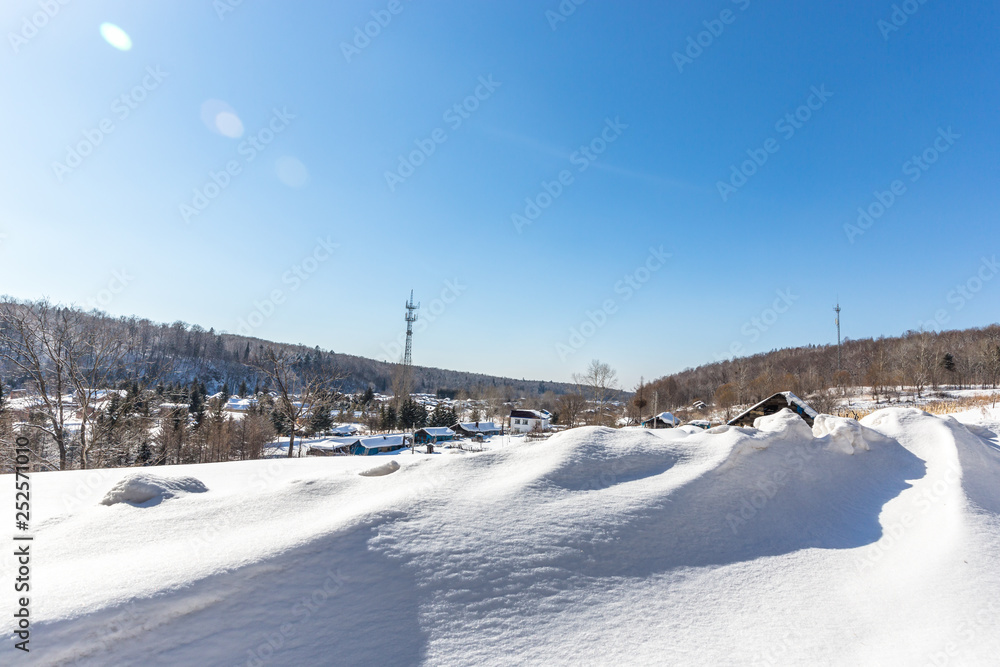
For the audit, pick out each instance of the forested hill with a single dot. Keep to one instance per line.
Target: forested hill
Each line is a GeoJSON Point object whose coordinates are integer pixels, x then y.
{"type": "Point", "coordinates": [917, 360]}
{"type": "Point", "coordinates": [181, 352]}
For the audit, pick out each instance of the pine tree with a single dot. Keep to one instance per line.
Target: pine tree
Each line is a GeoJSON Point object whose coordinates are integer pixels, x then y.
{"type": "Point", "coordinates": [243, 389]}
{"type": "Point", "coordinates": [197, 406]}
{"type": "Point", "coordinates": [412, 414]}
{"type": "Point", "coordinates": [948, 362]}
{"type": "Point", "coordinates": [387, 417]}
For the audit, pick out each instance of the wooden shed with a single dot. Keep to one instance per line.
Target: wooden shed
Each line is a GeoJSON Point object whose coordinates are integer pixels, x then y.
{"type": "Point", "coordinates": [773, 404]}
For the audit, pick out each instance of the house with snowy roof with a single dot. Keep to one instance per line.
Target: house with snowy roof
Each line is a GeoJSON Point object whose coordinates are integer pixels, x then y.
{"type": "Point", "coordinates": [433, 434]}
{"type": "Point", "coordinates": [525, 421]}
{"type": "Point", "coordinates": [774, 404]}
{"type": "Point", "coordinates": [369, 446]}
{"type": "Point", "coordinates": [472, 429]}
{"type": "Point", "coordinates": [662, 420]}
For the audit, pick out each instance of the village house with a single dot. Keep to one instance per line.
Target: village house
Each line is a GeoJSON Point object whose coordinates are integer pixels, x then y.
{"type": "Point", "coordinates": [525, 421]}
{"type": "Point", "coordinates": [773, 404]}
{"type": "Point", "coordinates": [432, 435]}
{"type": "Point", "coordinates": [472, 429]}
{"type": "Point", "coordinates": [662, 420]}
{"type": "Point", "coordinates": [369, 446]}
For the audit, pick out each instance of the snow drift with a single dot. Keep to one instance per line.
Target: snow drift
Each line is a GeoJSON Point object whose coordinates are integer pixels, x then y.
{"type": "Point", "coordinates": [847, 543]}
{"type": "Point", "coordinates": [141, 488]}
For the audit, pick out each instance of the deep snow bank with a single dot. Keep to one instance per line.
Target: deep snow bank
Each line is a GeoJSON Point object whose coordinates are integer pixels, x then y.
{"type": "Point", "coordinates": [843, 544]}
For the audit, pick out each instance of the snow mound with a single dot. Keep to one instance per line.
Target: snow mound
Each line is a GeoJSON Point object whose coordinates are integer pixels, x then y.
{"type": "Point", "coordinates": [379, 471]}
{"type": "Point", "coordinates": [738, 545]}
{"type": "Point", "coordinates": [141, 488]}
{"type": "Point", "coordinates": [784, 425]}
{"type": "Point", "coordinates": [596, 457]}
{"type": "Point", "coordinates": [842, 434]}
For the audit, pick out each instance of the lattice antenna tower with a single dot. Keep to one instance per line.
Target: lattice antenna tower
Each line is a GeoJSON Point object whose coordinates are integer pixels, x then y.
{"type": "Point", "coordinates": [837, 310]}
{"type": "Point", "coordinates": [411, 317]}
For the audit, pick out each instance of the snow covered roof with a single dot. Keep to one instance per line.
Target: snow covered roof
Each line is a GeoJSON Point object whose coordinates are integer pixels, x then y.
{"type": "Point", "coordinates": [666, 418]}
{"type": "Point", "coordinates": [332, 444]}
{"type": "Point", "coordinates": [437, 430]}
{"type": "Point", "coordinates": [237, 404]}
{"type": "Point", "coordinates": [773, 404]}
{"type": "Point", "coordinates": [478, 427]}
{"type": "Point", "coordinates": [529, 414]}
{"type": "Point", "coordinates": [382, 441]}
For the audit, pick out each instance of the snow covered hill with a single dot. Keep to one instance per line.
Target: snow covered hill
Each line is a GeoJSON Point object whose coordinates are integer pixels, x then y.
{"type": "Point", "coordinates": [842, 544]}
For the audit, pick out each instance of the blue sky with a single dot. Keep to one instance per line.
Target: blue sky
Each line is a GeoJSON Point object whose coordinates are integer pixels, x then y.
{"type": "Point", "coordinates": [584, 276]}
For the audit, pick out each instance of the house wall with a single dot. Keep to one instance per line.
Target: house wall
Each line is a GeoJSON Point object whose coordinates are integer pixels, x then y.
{"type": "Point", "coordinates": [527, 425]}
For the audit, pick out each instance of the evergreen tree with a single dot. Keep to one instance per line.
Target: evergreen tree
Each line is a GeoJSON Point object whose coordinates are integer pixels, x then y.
{"type": "Point", "coordinates": [948, 362]}
{"type": "Point", "coordinates": [387, 417]}
{"type": "Point", "coordinates": [197, 405]}
{"type": "Point", "coordinates": [225, 391]}
{"type": "Point", "coordinates": [412, 414]}
{"type": "Point", "coordinates": [243, 389]}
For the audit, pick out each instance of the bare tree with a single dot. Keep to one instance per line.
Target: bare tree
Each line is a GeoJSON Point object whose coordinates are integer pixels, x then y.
{"type": "Point", "coordinates": [570, 407]}
{"type": "Point", "coordinates": [602, 383]}
{"type": "Point", "coordinates": [297, 389]}
{"type": "Point", "coordinates": [37, 343]}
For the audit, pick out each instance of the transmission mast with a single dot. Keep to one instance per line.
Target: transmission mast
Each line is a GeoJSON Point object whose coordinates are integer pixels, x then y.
{"type": "Point", "coordinates": [836, 310]}
{"type": "Point", "coordinates": [411, 317]}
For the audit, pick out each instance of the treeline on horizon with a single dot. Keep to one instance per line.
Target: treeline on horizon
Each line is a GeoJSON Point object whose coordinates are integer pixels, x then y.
{"type": "Point", "coordinates": [183, 353]}
{"type": "Point", "coordinates": [887, 367]}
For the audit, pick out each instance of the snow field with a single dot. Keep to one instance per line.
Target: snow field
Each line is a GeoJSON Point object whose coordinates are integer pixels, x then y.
{"type": "Point", "coordinates": [846, 543]}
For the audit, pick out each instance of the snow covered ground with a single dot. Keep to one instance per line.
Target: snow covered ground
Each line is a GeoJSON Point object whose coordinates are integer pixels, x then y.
{"type": "Point", "coordinates": [847, 544]}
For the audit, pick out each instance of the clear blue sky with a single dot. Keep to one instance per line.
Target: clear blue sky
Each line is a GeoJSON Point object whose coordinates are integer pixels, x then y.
{"type": "Point", "coordinates": [672, 129]}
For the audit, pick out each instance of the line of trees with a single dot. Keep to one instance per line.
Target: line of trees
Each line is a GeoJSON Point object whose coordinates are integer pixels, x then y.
{"type": "Point", "coordinates": [888, 368]}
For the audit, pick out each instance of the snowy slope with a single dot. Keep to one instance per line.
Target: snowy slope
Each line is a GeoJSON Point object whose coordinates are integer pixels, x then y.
{"type": "Point", "coordinates": [845, 544]}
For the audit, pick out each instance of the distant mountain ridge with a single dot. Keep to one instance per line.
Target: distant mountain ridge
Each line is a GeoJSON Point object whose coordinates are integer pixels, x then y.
{"type": "Point", "coordinates": [189, 352]}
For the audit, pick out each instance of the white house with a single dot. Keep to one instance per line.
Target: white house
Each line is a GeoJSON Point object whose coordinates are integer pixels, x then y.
{"type": "Point", "coordinates": [525, 421]}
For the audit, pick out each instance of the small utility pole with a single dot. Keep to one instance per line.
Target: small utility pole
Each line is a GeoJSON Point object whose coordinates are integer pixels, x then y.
{"type": "Point", "coordinates": [656, 406]}
{"type": "Point", "coordinates": [837, 310]}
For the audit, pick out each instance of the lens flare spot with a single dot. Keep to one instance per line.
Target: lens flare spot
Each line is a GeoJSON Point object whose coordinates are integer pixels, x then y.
{"type": "Point", "coordinates": [116, 37]}
{"type": "Point", "coordinates": [291, 171]}
{"type": "Point", "coordinates": [229, 125]}
{"type": "Point", "coordinates": [221, 118]}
